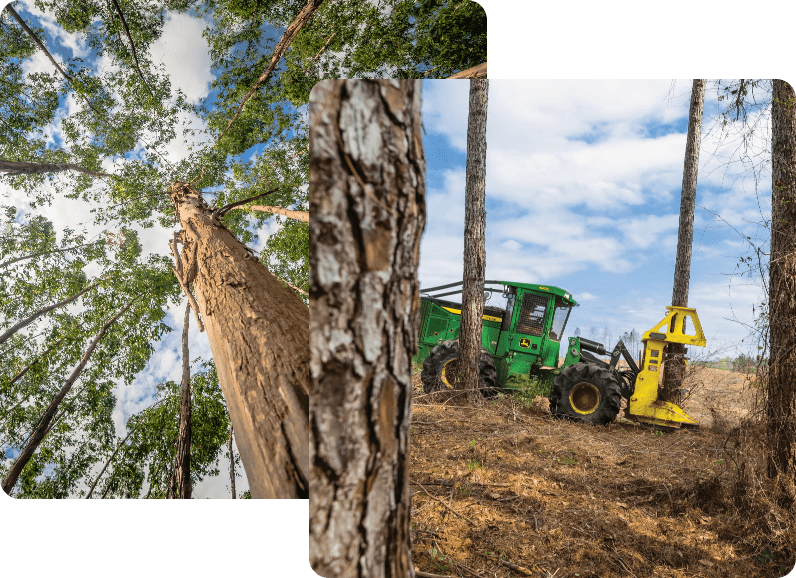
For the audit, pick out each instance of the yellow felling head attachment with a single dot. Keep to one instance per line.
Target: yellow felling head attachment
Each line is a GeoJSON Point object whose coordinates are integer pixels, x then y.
{"type": "Point", "coordinates": [644, 404]}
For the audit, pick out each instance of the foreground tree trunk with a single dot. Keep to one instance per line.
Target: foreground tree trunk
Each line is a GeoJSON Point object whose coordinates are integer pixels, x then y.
{"type": "Point", "coordinates": [367, 204]}
{"type": "Point", "coordinates": [474, 241]}
{"type": "Point", "coordinates": [41, 428]}
{"type": "Point", "coordinates": [674, 368]}
{"type": "Point", "coordinates": [259, 334]}
{"type": "Point", "coordinates": [183, 458]}
{"type": "Point", "coordinates": [781, 408]}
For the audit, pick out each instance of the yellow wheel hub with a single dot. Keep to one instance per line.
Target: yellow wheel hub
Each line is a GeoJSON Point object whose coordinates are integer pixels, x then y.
{"type": "Point", "coordinates": [584, 398]}
{"type": "Point", "coordinates": [450, 373]}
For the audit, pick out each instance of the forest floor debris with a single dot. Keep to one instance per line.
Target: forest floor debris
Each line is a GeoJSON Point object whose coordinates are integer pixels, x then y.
{"type": "Point", "coordinates": [503, 489]}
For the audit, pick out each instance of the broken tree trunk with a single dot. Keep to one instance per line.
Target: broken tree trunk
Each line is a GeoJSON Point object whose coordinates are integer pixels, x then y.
{"type": "Point", "coordinates": [41, 428]}
{"type": "Point", "coordinates": [259, 334]}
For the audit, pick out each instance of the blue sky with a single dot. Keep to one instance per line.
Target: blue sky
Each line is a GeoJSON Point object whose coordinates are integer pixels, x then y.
{"type": "Point", "coordinates": [185, 57]}
{"type": "Point", "coordinates": [583, 184]}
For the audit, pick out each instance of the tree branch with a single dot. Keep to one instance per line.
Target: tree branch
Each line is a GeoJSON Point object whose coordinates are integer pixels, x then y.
{"type": "Point", "coordinates": [132, 46]}
{"type": "Point", "coordinates": [39, 43]}
{"type": "Point", "coordinates": [226, 208]}
{"type": "Point", "coordinates": [290, 33]}
{"type": "Point", "coordinates": [474, 72]}
{"type": "Point", "coordinates": [295, 215]}
{"type": "Point", "coordinates": [26, 168]}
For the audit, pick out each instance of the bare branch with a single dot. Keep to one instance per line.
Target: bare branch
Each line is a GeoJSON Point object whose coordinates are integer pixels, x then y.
{"type": "Point", "coordinates": [132, 46]}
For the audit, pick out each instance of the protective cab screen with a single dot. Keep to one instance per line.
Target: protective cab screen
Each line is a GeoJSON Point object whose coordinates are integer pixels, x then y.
{"type": "Point", "coordinates": [559, 322]}
{"type": "Point", "coordinates": [532, 314]}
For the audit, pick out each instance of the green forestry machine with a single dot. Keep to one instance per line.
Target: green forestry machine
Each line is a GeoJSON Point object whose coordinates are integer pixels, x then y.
{"type": "Point", "coordinates": [524, 340]}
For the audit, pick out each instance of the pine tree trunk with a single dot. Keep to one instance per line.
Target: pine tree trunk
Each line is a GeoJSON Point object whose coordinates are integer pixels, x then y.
{"type": "Point", "coordinates": [474, 241]}
{"type": "Point", "coordinates": [259, 334]}
{"type": "Point", "coordinates": [674, 367]}
{"type": "Point", "coordinates": [27, 321]}
{"type": "Point", "coordinates": [231, 465]}
{"type": "Point", "coordinates": [41, 428]}
{"type": "Point", "coordinates": [781, 408]}
{"type": "Point", "coordinates": [183, 458]}
{"type": "Point", "coordinates": [367, 205]}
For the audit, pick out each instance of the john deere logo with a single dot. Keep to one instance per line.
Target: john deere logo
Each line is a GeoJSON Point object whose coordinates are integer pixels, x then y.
{"type": "Point", "coordinates": [525, 343]}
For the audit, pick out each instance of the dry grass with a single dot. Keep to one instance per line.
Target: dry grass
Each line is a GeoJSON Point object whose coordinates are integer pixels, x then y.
{"type": "Point", "coordinates": [501, 489]}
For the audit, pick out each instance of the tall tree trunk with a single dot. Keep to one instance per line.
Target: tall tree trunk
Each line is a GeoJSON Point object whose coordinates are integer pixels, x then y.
{"type": "Point", "coordinates": [231, 464]}
{"type": "Point", "coordinates": [183, 458]}
{"type": "Point", "coordinates": [367, 205]}
{"type": "Point", "coordinates": [674, 368]}
{"type": "Point", "coordinates": [290, 214]}
{"type": "Point", "coordinates": [781, 408]}
{"type": "Point", "coordinates": [38, 434]}
{"type": "Point", "coordinates": [259, 334]}
{"type": "Point", "coordinates": [474, 241]}
{"type": "Point", "coordinates": [27, 321]}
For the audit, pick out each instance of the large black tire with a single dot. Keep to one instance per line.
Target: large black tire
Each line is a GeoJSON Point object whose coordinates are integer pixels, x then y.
{"type": "Point", "coordinates": [586, 392]}
{"type": "Point", "coordinates": [439, 369]}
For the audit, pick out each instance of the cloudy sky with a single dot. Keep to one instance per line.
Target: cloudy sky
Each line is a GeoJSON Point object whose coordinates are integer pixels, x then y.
{"type": "Point", "coordinates": [583, 183]}
{"type": "Point", "coordinates": [185, 56]}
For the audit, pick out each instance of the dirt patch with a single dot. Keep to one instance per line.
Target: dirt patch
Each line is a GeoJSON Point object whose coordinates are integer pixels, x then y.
{"type": "Point", "coordinates": [501, 489]}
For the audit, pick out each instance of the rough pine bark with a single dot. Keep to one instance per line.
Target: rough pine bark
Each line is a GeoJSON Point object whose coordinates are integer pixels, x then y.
{"type": "Point", "coordinates": [259, 334]}
{"type": "Point", "coordinates": [781, 408]}
{"type": "Point", "coordinates": [474, 241]}
{"type": "Point", "coordinates": [183, 458]}
{"type": "Point", "coordinates": [674, 368]}
{"type": "Point", "coordinates": [367, 210]}
{"type": "Point", "coordinates": [42, 427]}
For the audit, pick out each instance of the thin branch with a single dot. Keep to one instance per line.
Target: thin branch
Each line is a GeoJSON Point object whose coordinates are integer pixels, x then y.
{"type": "Point", "coordinates": [290, 33]}
{"type": "Point", "coordinates": [191, 298]}
{"type": "Point", "coordinates": [39, 43]}
{"type": "Point", "coordinates": [16, 260]}
{"type": "Point", "coordinates": [26, 168]}
{"type": "Point", "coordinates": [226, 208]}
{"type": "Point", "coordinates": [328, 40]}
{"type": "Point", "coordinates": [132, 46]}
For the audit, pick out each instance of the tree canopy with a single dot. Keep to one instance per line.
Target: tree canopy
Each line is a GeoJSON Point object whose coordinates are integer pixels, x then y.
{"type": "Point", "coordinates": [98, 119]}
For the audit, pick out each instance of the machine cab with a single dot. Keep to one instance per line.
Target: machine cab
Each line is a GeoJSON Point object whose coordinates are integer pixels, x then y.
{"type": "Point", "coordinates": [533, 325]}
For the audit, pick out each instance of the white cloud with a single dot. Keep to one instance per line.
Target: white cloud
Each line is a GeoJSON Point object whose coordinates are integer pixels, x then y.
{"type": "Point", "coordinates": [185, 54]}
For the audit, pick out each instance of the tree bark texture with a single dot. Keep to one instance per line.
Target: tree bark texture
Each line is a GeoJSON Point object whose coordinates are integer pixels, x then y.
{"type": "Point", "coordinates": [474, 241]}
{"type": "Point", "coordinates": [290, 214]}
{"type": "Point", "coordinates": [183, 458]}
{"type": "Point", "coordinates": [781, 409]}
{"type": "Point", "coordinates": [367, 210]}
{"type": "Point", "coordinates": [41, 428]}
{"type": "Point", "coordinates": [674, 368]}
{"type": "Point", "coordinates": [43, 311]}
{"type": "Point", "coordinates": [231, 464]}
{"type": "Point", "coordinates": [259, 334]}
